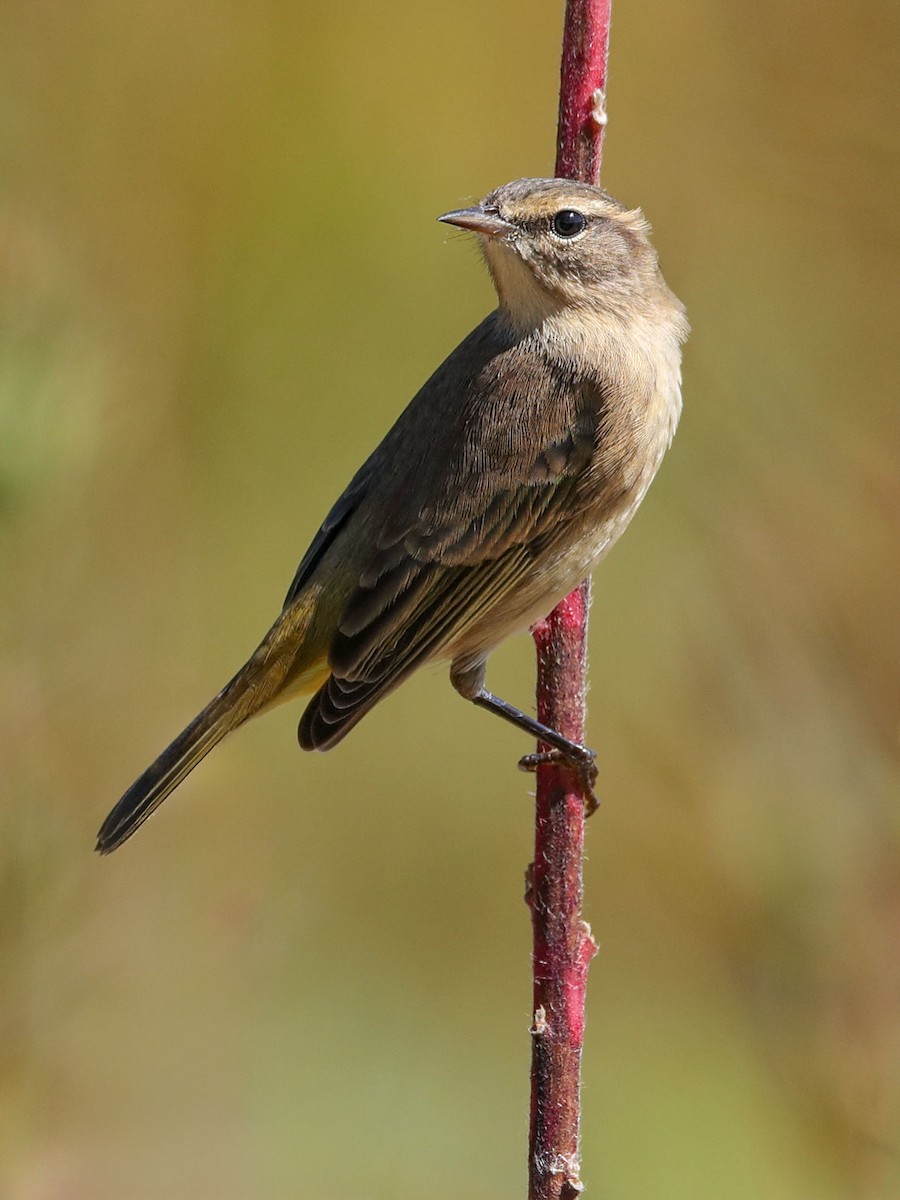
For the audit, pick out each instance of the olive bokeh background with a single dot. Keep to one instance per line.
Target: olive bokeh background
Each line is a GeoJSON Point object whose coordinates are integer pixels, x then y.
{"type": "Point", "coordinates": [308, 976]}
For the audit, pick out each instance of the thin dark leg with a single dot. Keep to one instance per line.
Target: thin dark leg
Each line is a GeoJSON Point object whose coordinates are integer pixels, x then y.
{"type": "Point", "coordinates": [572, 752]}
{"type": "Point", "coordinates": [579, 758]}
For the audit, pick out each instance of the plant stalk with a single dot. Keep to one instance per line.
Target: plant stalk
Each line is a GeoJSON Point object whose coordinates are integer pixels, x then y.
{"type": "Point", "coordinates": [563, 946]}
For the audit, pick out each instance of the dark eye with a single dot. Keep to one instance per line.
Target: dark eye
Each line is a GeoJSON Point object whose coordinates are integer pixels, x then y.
{"type": "Point", "coordinates": [568, 223]}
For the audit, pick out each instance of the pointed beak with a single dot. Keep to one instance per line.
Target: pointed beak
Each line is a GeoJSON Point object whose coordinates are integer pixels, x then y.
{"type": "Point", "coordinates": [482, 220]}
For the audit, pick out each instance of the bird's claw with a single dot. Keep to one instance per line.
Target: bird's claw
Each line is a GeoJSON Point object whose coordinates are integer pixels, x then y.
{"type": "Point", "coordinates": [583, 766]}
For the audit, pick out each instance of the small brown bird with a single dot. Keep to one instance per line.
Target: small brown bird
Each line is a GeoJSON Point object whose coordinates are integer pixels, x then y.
{"type": "Point", "coordinates": [502, 484]}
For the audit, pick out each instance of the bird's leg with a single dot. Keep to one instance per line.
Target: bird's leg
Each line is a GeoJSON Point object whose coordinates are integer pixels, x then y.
{"type": "Point", "coordinates": [580, 759]}
{"type": "Point", "coordinates": [468, 679]}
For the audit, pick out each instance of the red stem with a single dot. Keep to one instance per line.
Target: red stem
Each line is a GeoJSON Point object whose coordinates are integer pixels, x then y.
{"type": "Point", "coordinates": [563, 946]}
{"type": "Point", "coordinates": [579, 135]}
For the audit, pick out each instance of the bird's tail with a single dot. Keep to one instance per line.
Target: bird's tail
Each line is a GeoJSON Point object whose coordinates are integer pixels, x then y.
{"type": "Point", "coordinates": [146, 794]}
{"type": "Point", "coordinates": [269, 677]}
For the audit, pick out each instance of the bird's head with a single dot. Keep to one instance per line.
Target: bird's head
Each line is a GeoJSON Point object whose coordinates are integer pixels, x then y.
{"type": "Point", "coordinates": [553, 245]}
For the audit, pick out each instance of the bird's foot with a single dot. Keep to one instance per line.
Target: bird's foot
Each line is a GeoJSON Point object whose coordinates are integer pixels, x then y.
{"type": "Point", "coordinates": [580, 760]}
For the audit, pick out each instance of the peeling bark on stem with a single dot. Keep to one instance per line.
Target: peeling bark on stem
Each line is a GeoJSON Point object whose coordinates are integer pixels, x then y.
{"type": "Point", "coordinates": [582, 90]}
{"type": "Point", "coordinates": [563, 946]}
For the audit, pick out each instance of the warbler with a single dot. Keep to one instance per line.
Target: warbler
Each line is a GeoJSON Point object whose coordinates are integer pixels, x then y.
{"type": "Point", "coordinates": [509, 475]}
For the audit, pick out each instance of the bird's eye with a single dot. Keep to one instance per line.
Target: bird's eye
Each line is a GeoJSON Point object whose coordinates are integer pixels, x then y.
{"type": "Point", "coordinates": [568, 223]}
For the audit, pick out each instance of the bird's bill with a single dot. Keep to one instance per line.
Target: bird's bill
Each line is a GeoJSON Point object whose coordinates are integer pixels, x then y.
{"type": "Point", "coordinates": [480, 220]}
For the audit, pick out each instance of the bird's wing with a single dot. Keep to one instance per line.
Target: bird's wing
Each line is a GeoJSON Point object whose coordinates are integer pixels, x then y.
{"type": "Point", "coordinates": [462, 528]}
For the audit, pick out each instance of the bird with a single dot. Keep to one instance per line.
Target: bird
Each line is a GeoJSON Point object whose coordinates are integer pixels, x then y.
{"type": "Point", "coordinates": [501, 485]}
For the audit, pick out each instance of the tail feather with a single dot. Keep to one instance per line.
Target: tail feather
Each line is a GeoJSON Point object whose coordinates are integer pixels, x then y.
{"type": "Point", "coordinates": [285, 664]}
{"type": "Point", "coordinates": [146, 794]}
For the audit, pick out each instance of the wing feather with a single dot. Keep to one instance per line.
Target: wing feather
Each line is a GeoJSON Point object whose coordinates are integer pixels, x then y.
{"type": "Point", "coordinates": [505, 441]}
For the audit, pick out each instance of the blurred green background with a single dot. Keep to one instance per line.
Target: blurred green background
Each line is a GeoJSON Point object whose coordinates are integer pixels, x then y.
{"type": "Point", "coordinates": [309, 976]}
